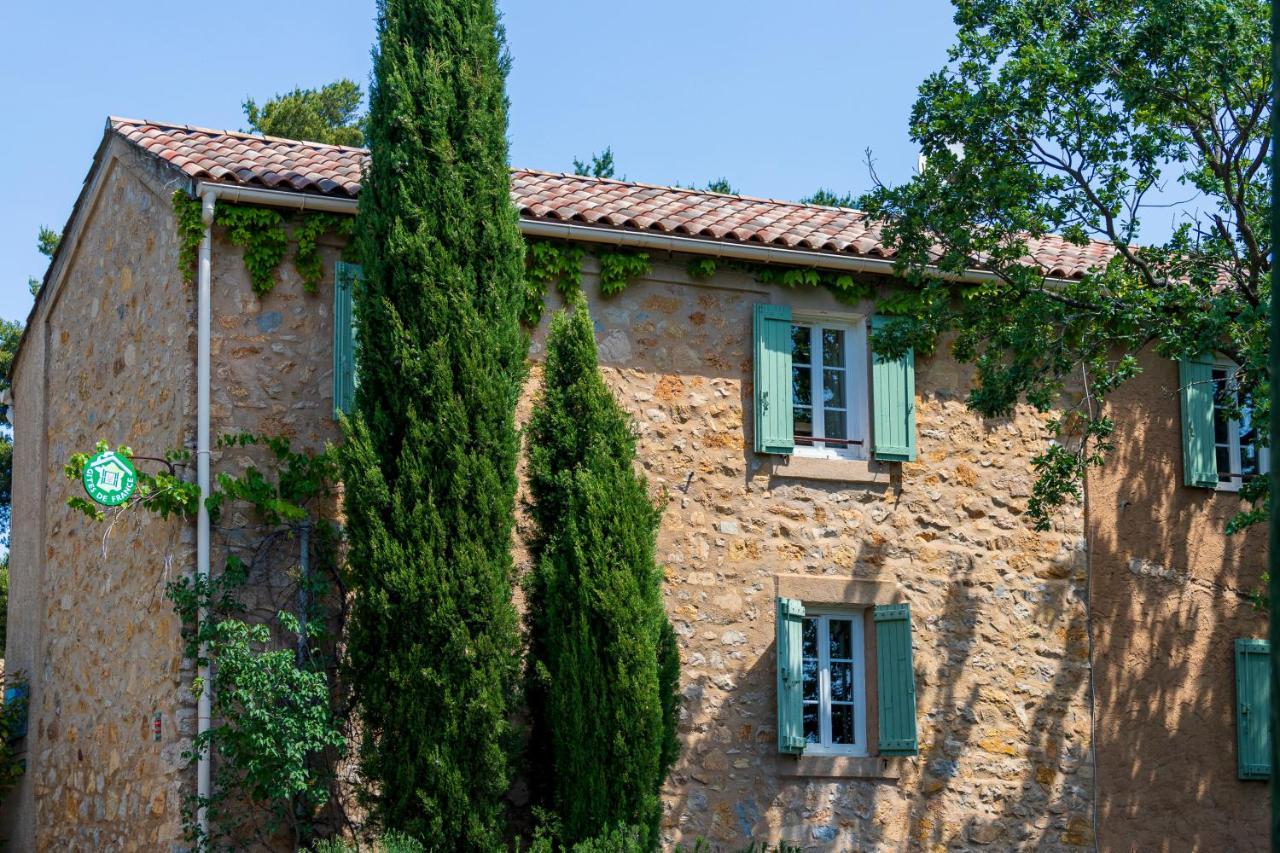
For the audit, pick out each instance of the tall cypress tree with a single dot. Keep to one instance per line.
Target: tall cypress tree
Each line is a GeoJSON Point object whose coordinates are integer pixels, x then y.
{"type": "Point", "coordinates": [603, 660]}
{"type": "Point", "coordinates": [430, 458]}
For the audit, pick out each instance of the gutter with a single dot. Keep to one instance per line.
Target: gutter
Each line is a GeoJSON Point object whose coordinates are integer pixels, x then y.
{"type": "Point", "coordinates": [757, 253]}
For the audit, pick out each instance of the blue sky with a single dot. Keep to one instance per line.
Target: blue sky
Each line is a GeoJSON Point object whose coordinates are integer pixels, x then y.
{"type": "Point", "coordinates": [780, 98]}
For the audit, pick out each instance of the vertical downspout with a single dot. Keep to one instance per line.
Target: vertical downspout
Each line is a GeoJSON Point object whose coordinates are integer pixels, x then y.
{"type": "Point", "coordinates": [203, 322]}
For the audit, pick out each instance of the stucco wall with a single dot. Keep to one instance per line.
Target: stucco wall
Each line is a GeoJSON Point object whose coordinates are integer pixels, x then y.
{"type": "Point", "coordinates": [1168, 601]}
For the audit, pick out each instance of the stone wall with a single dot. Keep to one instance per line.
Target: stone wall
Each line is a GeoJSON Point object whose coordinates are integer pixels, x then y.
{"type": "Point", "coordinates": [1169, 599]}
{"type": "Point", "coordinates": [109, 355]}
{"type": "Point", "coordinates": [1001, 653]}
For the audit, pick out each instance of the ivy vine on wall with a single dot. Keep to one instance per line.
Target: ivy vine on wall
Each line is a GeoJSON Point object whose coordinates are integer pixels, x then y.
{"type": "Point", "coordinates": [555, 262]}
{"type": "Point", "coordinates": [263, 233]}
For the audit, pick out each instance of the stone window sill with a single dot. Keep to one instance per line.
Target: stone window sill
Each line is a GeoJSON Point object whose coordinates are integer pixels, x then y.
{"type": "Point", "coordinates": [843, 767]}
{"type": "Point", "coordinates": [831, 470]}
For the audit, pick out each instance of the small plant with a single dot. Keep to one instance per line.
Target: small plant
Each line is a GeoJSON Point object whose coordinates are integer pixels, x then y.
{"type": "Point", "coordinates": [13, 725]}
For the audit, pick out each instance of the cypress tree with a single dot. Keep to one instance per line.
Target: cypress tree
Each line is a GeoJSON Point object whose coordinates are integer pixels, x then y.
{"type": "Point", "coordinates": [603, 660]}
{"type": "Point", "coordinates": [430, 457]}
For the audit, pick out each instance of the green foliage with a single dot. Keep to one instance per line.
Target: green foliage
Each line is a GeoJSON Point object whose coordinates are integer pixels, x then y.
{"type": "Point", "coordinates": [548, 261]}
{"type": "Point", "coordinates": [614, 839]}
{"type": "Point", "coordinates": [701, 268]}
{"type": "Point", "coordinates": [430, 458]}
{"type": "Point", "coordinates": [4, 603]}
{"type": "Point", "coordinates": [306, 232]}
{"type": "Point", "coordinates": [276, 719]}
{"type": "Point", "coordinates": [603, 663]}
{"type": "Point", "coordinates": [190, 227]}
{"type": "Point", "coordinates": [272, 705]}
{"type": "Point", "coordinates": [721, 185]}
{"type": "Point", "coordinates": [262, 233]}
{"type": "Point", "coordinates": [1063, 117]}
{"type": "Point", "coordinates": [618, 267]}
{"type": "Point", "coordinates": [600, 165]}
{"type": "Point", "coordinates": [392, 842]}
{"type": "Point", "coordinates": [330, 114]}
{"type": "Point", "coordinates": [10, 335]}
{"type": "Point", "coordinates": [47, 241]}
{"type": "Point", "coordinates": [828, 198]}
{"type": "Point", "coordinates": [13, 717]}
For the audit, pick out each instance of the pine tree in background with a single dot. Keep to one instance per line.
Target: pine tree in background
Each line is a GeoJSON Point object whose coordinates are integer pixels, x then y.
{"type": "Point", "coordinates": [430, 459]}
{"type": "Point", "coordinates": [603, 661]}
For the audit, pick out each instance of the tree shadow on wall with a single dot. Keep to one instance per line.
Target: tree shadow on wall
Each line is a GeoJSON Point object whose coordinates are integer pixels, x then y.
{"type": "Point", "coordinates": [1168, 602]}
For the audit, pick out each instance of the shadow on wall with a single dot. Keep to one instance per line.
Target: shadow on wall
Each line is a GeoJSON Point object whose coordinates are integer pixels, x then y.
{"type": "Point", "coordinates": [1168, 601]}
{"type": "Point", "coordinates": [1001, 720]}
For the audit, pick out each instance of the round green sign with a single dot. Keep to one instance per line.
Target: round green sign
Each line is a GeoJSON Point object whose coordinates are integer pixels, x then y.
{"type": "Point", "coordinates": [110, 478]}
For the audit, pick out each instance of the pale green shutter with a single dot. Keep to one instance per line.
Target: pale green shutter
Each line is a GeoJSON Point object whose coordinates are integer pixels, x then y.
{"type": "Point", "coordinates": [774, 426]}
{"type": "Point", "coordinates": [895, 680]}
{"type": "Point", "coordinates": [893, 404]}
{"type": "Point", "coordinates": [1199, 464]}
{"type": "Point", "coordinates": [790, 627]}
{"type": "Point", "coordinates": [344, 337]}
{"type": "Point", "coordinates": [1253, 709]}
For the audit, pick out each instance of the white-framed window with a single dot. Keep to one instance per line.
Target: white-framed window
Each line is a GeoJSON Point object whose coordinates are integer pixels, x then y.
{"type": "Point", "coordinates": [1236, 438]}
{"type": "Point", "coordinates": [834, 683]}
{"type": "Point", "coordinates": [829, 387]}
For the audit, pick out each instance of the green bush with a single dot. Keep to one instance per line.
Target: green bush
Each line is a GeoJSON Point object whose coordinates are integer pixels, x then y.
{"type": "Point", "coordinates": [603, 662]}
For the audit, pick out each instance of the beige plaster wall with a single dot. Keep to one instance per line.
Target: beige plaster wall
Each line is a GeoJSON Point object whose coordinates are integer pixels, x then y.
{"type": "Point", "coordinates": [1168, 601]}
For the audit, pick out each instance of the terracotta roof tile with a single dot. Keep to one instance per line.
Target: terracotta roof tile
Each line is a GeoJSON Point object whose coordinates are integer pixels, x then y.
{"type": "Point", "coordinates": [224, 156]}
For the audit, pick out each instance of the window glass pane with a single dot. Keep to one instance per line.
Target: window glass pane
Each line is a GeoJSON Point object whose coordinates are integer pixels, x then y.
{"type": "Point", "coordinates": [809, 637]}
{"type": "Point", "coordinates": [833, 347]}
{"type": "Point", "coordinates": [836, 424]}
{"type": "Point", "coordinates": [1224, 460]}
{"type": "Point", "coordinates": [1248, 456]}
{"type": "Point", "coordinates": [800, 349]}
{"type": "Point", "coordinates": [842, 724]}
{"type": "Point", "coordinates": [810, 680]}
{"type": "Point", "coordinates": [841, 639]}
{"type": "Point", "coordinates": [1248, 439]}
{"type": "Point", "coordinates": [841, 682]}
{"type": "Point", "coordinates": [803, 418]}
{"type": "Point", "coordinates": [833, 393]}
{"type": "Point", "coordinates": [1220, 428]}
{"type": "Point", "coordinates": [802, 386]}
{"type": "Point", "coordinates": [811, 731]}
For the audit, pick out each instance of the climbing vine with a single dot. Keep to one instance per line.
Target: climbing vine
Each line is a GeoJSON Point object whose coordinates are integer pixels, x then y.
{"type": "Point", "coordinates": [263, 233]}
{"type": "Point", "coordinates": [275, 611]}
{"type": "Point", "coordinates": [554, 261]}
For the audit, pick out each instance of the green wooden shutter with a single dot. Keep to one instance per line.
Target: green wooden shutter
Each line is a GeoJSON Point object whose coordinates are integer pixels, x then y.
{"type": "Point", "coordinates": [1199, 464]}
{"type": "Point", "coordinates": [774, 426]}
{"type": "Point", "coordinates": [344, 337]}
{"type": "Point", "coordinates": [790, 626]}
{"type": "Point", "coordinates": [896, 680]}
{"type": "Point", "coordinates": [1253, 709]}
{"type": "Point", "coordinates": [893, 404]}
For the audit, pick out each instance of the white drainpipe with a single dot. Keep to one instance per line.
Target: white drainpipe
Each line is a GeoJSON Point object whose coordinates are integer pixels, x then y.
{"type": "Point", "coordinates": [203, 316]}
{"type": "Point", "coordinates": [209, 195]}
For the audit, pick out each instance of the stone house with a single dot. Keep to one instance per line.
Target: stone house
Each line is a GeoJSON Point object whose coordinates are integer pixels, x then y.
{"type": "Point", "coordinates": [878, 651]}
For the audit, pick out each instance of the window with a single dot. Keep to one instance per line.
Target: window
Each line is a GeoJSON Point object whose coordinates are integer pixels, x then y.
{"type": "Point", "coordinates": [834, 684]}
{"type": "Point", "coordinates": [828, 389]}
{"type": "Point", "coordinates": [1236, 441]}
